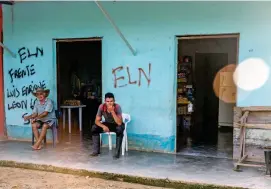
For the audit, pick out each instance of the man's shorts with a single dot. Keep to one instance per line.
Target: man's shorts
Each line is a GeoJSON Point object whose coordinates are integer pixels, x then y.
{"type": "Point", "coordinates": [41, 123]}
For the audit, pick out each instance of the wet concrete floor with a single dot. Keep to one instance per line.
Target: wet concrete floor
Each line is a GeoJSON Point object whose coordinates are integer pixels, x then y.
{"type": "Point", "coordinates": [73, 152]}
{"type": "Point", "coordinates": [223, 148]}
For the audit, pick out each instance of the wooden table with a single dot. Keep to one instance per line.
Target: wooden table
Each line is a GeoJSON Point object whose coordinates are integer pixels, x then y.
{"type": "Point", "coordinates": [64, 107]}
{"type": "Point", "coordinates": [243, 125]}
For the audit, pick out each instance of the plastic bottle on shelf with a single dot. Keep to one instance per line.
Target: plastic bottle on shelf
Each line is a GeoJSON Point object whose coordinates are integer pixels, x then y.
{"type": "Point", "coordinates": [190, 107]}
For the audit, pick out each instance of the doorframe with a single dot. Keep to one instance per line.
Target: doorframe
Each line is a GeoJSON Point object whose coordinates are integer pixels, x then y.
{"type": "Point", "coordinates": [2, 96]}
{"type": "Point", "coordinates": [56, 41]}
{"type": "Point", "coordinates": [199, 36]}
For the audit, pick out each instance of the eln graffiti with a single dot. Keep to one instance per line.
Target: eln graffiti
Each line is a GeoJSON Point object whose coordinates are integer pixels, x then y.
{"type": "Point", "coordinates": [119, 70]}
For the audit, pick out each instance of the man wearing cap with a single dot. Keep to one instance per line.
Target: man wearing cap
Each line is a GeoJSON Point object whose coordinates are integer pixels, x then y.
{"type": "Point", "coordinates": [43, 116]}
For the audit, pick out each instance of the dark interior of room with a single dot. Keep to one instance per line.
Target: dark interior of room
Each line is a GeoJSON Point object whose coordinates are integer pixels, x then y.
{"type": "Point", "coordinates": [79, 77]}
{"type": "Point", "coordinates": [201, 133]}
{"type": "Point", "coordinates": [205, 127]}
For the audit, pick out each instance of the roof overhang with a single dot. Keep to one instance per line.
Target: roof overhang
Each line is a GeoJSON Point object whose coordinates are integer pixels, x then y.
{"type": "Point", "coordinates": [8, 2]}
{"type": "Point", "coordinates": [11, 2]}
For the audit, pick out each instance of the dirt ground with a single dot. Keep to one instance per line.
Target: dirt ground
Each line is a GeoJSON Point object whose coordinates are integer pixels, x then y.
{"type": "Point", "coordinates": [13, 178]}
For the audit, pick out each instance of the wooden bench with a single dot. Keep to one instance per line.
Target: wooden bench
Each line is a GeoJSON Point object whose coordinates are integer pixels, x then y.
{"type": "Point", "coordinates": [241, 121]}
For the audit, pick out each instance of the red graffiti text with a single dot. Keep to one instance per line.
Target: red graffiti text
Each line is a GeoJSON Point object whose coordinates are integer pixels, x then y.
{"type": "Point", "coordinates": [117, 72]}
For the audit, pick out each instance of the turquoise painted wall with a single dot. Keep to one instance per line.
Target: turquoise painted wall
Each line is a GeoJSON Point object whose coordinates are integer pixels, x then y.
{"type": "Point", "coordinates": [151, 28]}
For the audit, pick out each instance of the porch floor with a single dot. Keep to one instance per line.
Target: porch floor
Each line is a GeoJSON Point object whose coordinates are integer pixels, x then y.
{"type": "Point", "coordinates": [73, 152]}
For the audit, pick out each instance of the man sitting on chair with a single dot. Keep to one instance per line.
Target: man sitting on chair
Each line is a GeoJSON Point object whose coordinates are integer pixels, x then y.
{"type": "Point", "coordinates": [113, 123]}
{"type": "Point", "coordinates": [43, 116]}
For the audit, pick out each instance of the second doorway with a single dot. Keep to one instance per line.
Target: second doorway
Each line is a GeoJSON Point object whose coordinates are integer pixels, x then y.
{"type": "Point", "coordinates": [79, 78]}
{"type": "Point", "coordinates": [206, 94]}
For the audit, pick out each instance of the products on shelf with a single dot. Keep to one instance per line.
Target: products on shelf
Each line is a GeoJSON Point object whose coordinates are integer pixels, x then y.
{"type": "Point", "coordinates": [180, 90]}
{"type": "Point", "coordinates": [182, 76]}
{"type": "Point", "coordinates": [190, 107]}
{"type": "Point", "coordinates": [182, 110]}
{"type": "Point", "coordinates": [182, 100]}
{"type": "Point", "coordinates": [190, 93]}
{"type": "Point", "coordinates": [187, 59]}
{"type": "Point", "coordinates": [186, 122]}
{"type": "Point", "coordinates": [185, 90]}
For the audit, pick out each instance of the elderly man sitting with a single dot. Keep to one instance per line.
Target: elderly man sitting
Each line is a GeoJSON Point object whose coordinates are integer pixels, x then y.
{"type": "Point", "coordinates": [43, 116]}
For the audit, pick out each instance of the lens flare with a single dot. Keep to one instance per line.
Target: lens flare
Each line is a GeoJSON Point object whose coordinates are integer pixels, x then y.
{"type": "Point", "coordinates": [223, 84]}
{"type": "Point", "coordinates": [251, 74]}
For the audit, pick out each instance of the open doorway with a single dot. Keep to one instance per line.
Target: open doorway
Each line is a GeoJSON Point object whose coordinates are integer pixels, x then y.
{"type": "Point", "coordinates": [206, 94]}
{"type": "Point", "coordinates": [79, 78]}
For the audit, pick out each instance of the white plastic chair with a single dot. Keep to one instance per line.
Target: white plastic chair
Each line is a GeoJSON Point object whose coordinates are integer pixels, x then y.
{"type": "Point", "coordinates": [126, 118]}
